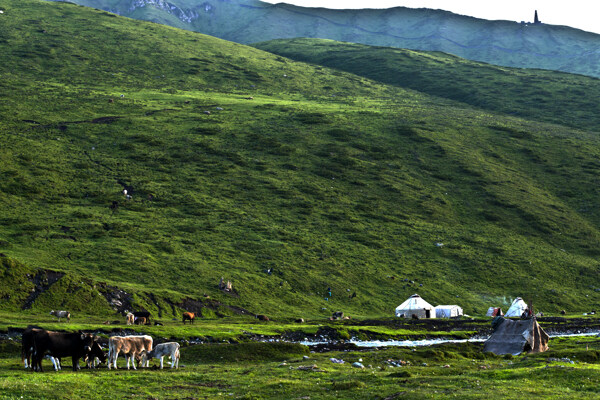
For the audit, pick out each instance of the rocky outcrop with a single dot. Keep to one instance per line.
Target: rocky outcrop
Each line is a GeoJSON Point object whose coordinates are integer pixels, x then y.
{"type": "Point", "coordinates": [185, 15]}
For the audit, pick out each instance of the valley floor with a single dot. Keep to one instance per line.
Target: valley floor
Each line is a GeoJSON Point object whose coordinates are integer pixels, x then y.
{"type": "Point", "coordinates": [277, 370]}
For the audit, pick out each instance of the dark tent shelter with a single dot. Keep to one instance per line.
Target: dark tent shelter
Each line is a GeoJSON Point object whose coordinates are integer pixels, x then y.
{"type": "Point", "coordinates": [516, 337]}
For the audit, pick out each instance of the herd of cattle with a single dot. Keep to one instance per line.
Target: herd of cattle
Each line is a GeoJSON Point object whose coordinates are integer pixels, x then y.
{"type": "Point", "coordinates": [39, 343]}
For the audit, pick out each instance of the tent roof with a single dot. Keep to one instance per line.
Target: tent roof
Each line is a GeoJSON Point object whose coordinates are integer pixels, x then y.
{"type": "Point", "coordinates": [415, 302]}
{"type": "Point", "coordinates": [514, 337]}
{"type": "Point", "coordinates": [516, 308]}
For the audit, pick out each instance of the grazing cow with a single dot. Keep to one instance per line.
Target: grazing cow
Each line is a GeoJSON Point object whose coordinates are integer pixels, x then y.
{"type": "Point", "coordinates": [262, 317]}
{"type": "Point", "coordinates": [189, 316]}
{"type": "Point", "coordinates": [27, 345]}
{"type": "Point", "coordinates": [170, 349]}
{"type": "Point", "coordinates": [144, 314]}
{"type": "Point", "coordinates": [27, 349]}
{"type": "Point", "coordinates": [59, 344]}
{"type": "Point", "coordinates": [130, 318]}
{"type": "Point", "coordinates": [131, 346]}
{"type": "Point", "coordinates": [95, 356]}
{"type": "Point", "coordinates": [61, 314]}
{"type": "Point", "coordinates": [140, 321]}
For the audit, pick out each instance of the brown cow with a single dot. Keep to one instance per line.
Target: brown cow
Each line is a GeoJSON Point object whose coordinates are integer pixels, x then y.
{"type": "Point", "coordinates": [189, 316]}
{"type": "Point", "coordinates": [140, 321]}
{"type": "Point", "coordinates": [130, 318]}
{"type": "Point", "coordinates": [131, 346]}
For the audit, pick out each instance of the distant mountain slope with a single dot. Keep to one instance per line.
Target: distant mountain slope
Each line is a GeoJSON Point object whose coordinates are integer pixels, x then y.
{"type": "Point", "coordinates": [561, 98]}
{"type": "Point", "coordinates": [282, 177]}
{"type": "Point", "coordinates": [498, 42]}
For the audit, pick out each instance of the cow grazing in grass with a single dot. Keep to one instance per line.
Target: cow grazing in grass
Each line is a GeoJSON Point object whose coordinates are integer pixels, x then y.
{"type": "Point", "coordinates": [170, 349]}
{"type": "Point", "coordinates": [144, 314]}
{"type": "Point", "coordinates": [140, 321]}
{"type": "Point", "coordinates": [130, 318]}
{"type": "Point", "coordinates": [27, 345]}
{"type": "Point", "coordinates": [58, 345]}
{"type": "Point", "coordinates": [189, 316]}
{"type": "Point", "coordinates": [95, 356]}
{"type": "Point", "coordinates": [131, 346]}
{"type": "Point", "coordinates": [61, 314]}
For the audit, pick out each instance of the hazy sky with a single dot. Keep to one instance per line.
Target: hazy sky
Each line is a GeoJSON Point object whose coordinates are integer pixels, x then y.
{"type": "Point", "coordinates": [581, 14]}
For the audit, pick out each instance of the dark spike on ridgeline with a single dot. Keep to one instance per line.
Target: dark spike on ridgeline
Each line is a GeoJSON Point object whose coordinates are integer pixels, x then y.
{"type": "Point", "coordinates": [536, 20]}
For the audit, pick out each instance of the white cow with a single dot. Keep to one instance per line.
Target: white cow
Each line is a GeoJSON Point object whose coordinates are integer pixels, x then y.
{"type": "Point", "coordinates": [170, 349]}
{"type": "Point", "coordinates": [61, 314]}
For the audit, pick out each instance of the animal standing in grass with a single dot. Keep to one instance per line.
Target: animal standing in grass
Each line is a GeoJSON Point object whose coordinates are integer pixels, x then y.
{"type": "Point", "coordinates": [170, 349]}
{"type": "Point", "coordinates": [189, 316]}
{"type": "Point", "coordinates": [61, 314]}
{"type": "Point", "coordinates": [131, 346]}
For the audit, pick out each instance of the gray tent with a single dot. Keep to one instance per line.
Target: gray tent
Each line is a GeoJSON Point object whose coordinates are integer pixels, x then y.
{"type": "Point", "coordinates": [516, 337]}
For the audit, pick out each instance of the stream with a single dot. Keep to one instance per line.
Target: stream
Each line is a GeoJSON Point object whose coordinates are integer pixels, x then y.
{"type": "Point", "coordinates": [429, 342]}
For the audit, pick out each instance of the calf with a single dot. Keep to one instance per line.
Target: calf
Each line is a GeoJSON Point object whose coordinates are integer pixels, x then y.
{"type": "Point", "coordinates": [189, 316]}
{"type": "Point", "coordinates": [95, 356]}
{"type": "Point", "coordinates": [59, 345]}
{"type": "Point", "coordinates": [170, 349]}
{"type": "Point", "coordinates": [131, 346]}
{"type": "Point", "coordinates": [61, 314]}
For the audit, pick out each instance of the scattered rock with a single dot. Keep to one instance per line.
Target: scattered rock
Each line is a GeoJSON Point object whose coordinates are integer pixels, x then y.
{"type": "Point", "coordinates": [357, 365]}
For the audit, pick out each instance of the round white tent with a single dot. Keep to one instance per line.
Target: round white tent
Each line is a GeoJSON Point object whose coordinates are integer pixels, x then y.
{"type": "Point", "coordinates": [416, 306]}
{"type": "Point", "coordinates": [517, 308]}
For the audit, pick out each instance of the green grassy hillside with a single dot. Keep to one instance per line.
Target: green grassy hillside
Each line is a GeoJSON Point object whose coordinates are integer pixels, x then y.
{"type": "Point", "coordinates": [564, 99]}
{"type": "Point", "coordinates": [239, 161]}
{"type": "Point", "coordinates": [498, 42]}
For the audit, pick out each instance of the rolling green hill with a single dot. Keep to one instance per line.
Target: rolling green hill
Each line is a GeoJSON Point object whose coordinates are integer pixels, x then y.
{"type": "Point", "coordinates": [240, 161]}
{"type": "Point", "coordinates": [564, 99]}
{"type": "Point", "coordinates": [498, 42]}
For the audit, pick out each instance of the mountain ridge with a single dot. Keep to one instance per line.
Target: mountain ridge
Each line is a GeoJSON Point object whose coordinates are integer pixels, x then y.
{"type": "Point", "coordinates": [498, 42]}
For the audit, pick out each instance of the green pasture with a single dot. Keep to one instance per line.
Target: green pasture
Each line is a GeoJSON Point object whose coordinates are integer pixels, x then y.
{"type": "Point", "coordinates": [273, 371]}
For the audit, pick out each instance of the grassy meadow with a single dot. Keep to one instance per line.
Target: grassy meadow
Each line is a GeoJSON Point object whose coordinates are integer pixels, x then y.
{"type": "Point", "coordinates": [275, 371]}
{"type": "Point", "coordinates": [289, 180]}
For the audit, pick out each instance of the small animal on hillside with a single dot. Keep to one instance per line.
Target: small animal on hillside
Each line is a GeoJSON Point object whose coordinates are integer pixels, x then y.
{"type": "Point", "coordinates": [140, 321]}
{"type": "Point", "coordinates": [338, 315]}
{"type": "Point", "coordinates": [189, 316]}
{"type": "Point", "coordinates": [262, 317]}
{"type": "Point", "coordinates": [130, 318]}
{"type": "Point", "coordinates": [563, 312]}
{"type": "Point", "coordinates": [61, 314]}
{"type": "Point", "coordinates": [144, 314]}
{"type": "Point", "coordinates": [170, 349]}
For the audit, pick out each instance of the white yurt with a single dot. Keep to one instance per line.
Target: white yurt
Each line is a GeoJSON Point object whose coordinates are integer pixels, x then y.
{"type": "Point", "coordinates": [517, 308]}
{"type": "Point", "coordinates": [448, 311]}
{"type": "Point", "coordinates": [416, 306]}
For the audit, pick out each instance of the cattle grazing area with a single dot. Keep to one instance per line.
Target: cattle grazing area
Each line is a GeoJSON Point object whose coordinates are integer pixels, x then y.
{"type": "Point", "coordinates": [283, 370]}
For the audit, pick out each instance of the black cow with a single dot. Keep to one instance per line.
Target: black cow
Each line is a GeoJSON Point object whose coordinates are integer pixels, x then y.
{"type": "Point", "coordinates": [95, 352]}
{"type": "Point", "coordinates": [144, 314]}
{"type": "Point", "coordinates": [59, 344]}
{"type": "Point", "coordinates": [27, 345]}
